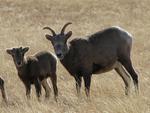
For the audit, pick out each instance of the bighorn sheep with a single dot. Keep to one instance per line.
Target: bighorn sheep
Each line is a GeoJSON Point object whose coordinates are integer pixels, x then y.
{"type": "Point", "coordinates": [2, 88]}
{"type": "Point", "coordinates": [100, 52]}
{"type": "Point", "coordinates": [35, 70]}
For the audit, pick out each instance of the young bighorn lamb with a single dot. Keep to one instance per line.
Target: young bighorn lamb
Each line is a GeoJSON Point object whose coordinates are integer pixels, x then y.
{"type": "Point", "coordinates": [35, 70]}
{"type": "Point", "coordinates": [100, 52]}
{"type": "Point", "coordinates": [2, 88]}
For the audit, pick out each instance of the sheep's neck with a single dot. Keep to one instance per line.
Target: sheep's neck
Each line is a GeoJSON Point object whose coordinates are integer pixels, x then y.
{"type": "Point", "coordinates": [21, 69]}
{"type": "Point", "coordinates": [67, 61]}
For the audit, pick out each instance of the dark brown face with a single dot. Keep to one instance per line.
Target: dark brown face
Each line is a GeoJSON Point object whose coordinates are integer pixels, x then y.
{"type": "Point", "coordinates": [59, 41]}
{"type": "Point", "coordinates": [17, 55]}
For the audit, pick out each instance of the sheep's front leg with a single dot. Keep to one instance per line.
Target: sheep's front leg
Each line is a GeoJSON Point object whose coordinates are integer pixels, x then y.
{"type": "Point", "coordinates": [28, 89]}
{"type": "Point", "coordinates": [37, 88]}
{"type": "Point", "coordinates": [78, 80]}
{"type": "Point", "coordinates": [87, 83]}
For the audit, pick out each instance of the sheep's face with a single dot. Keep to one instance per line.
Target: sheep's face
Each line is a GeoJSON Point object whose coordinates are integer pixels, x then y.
{"type": "Point", "coordinates": [59, 41]}
{"type": "Point", "coordinates": [18, 55]}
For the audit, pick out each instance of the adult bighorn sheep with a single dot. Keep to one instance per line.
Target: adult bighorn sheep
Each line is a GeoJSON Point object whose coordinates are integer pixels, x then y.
{"type": "Point", "coordinates": [35, 70]}
{"type": "Point", "coordinates": [2, 88]}
{"type": "Point", "coordinates": [100, 52]}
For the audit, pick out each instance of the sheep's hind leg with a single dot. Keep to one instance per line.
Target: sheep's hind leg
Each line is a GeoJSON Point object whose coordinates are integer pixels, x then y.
{"type": "Point", "coordinates": [125, 76]}
{"type": "Point", "coordinates": [54, 83]}
{"type": "Point", "coordinates": [46, 88]}
{"type": "Point", "coordinates": [2, 87]}
{"type": "Point", "coordinates": [38, 88]}
{"type": "Point", "coordinates": [128, 66]}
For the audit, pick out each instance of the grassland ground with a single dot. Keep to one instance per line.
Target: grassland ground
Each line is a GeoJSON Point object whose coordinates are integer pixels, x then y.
{"type": "Point", "coordinates": [21, 23]}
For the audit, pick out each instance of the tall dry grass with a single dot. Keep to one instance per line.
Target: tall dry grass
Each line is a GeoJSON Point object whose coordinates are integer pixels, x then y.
{"type": "Point", "coordinates": [21, 23]}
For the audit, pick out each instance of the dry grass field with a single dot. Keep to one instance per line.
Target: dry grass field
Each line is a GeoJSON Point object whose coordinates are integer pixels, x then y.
{"type": "Point", "coordinates": [21, 23]}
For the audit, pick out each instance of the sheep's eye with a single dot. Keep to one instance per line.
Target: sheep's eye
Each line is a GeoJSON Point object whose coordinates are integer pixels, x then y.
{"type": "Point", "coordinates": [13, 55]}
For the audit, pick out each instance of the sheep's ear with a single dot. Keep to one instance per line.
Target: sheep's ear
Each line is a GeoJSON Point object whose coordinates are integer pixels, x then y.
{"type": "Point", "coordinates": [48, 37]}
{"type": "Point", "coordinates": [9, 51]}
{"type": "Point", "coordinates": [68, 35]}
{"type": "Point", "coordinates": [24, 50]}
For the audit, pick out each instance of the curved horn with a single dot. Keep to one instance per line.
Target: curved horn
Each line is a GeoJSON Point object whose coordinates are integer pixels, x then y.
{"type": "Point", "coordinates": [63, 29]}
{"type": "Point", "coordinates": [53, 32]}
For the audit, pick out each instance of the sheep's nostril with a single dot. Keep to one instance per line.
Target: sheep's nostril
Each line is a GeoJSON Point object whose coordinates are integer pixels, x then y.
{"type": "Point", "coordinates": [59, 55]}
{"type": "Point", "coordinates": [19, 63]}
